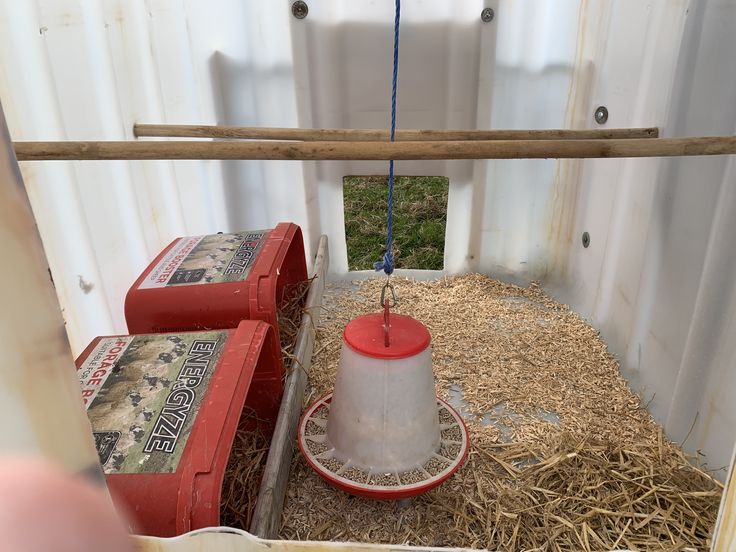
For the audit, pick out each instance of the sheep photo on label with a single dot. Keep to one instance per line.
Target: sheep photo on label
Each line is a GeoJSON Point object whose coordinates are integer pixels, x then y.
{"type": "Point", "coordinates": [141, 391]}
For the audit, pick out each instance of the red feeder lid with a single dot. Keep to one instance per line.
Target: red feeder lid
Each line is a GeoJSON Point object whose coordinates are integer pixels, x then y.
{"type": "Point", "coordinates": [408, 336]}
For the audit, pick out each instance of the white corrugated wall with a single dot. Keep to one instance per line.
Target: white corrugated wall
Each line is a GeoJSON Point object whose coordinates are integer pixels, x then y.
{"type": "Point", "coordinates": [657, 277]}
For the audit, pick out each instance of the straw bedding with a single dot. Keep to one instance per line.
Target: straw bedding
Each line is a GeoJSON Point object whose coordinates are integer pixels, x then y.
{"type": "Point", "coordinates": [243, 473]}
{"type": "Point", "coordinates": [289, 314]}
{"type": "Point", "coordinates": [247, 460]}
{"type": "Point", "coordinates": [563, 455]}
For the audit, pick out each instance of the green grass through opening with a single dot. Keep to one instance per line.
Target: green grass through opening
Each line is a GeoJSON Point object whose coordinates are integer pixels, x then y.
{"type": "Point", "coordinates": [420, 217]}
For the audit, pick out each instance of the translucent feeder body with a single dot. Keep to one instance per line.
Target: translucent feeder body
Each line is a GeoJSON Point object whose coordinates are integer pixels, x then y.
{"type": "Point", "coordinates": [383, 416]}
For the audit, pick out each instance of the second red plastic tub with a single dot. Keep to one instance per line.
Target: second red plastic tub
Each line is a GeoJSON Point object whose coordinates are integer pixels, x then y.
{"type": "Point", "coordinates": [165, 409]}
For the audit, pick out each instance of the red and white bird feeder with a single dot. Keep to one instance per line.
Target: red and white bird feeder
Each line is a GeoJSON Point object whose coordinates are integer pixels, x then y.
{"type": "Point", "coordinates": [383, 433]}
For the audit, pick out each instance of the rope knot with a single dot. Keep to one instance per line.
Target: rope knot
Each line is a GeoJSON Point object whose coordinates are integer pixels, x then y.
{"type": "Point", "coordinates": [386, 264]}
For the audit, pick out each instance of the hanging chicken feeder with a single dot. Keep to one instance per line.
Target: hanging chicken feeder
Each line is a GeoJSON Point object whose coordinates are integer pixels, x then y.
{"type": "Point", "coordinates": [383, 433]}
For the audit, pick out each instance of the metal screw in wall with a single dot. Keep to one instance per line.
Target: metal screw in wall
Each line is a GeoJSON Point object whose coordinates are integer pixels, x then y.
{"type": "Point", "coordinates": [299, 9]}
{"type": "Point", "coordinates": [487, 15]}
{"type": "Point", "coordinates": [601, 114]}
{"type": "Point", "coordinates": [586, 239]}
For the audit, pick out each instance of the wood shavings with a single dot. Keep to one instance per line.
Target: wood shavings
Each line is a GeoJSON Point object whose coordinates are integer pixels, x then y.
{"type": "Point", "coordinates": [563, 455]}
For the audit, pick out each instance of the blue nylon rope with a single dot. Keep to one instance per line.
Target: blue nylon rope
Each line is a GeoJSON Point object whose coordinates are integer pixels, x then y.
{"type": "Point", "coordinates": [387, 263]}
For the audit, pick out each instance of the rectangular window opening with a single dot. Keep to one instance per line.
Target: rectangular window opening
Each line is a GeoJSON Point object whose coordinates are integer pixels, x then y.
{"type": "Point", "coordinates": [420, 219]}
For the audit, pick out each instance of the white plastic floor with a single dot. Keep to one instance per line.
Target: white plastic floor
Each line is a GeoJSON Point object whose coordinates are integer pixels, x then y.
{"type": "Point", "coordinates": [658, 276]}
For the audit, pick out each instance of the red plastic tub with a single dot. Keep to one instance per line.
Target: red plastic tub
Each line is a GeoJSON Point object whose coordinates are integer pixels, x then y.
{"type": "Point", "coordinates": [209, 282]}
{"type": "Point", "coordinates": [165, 409]}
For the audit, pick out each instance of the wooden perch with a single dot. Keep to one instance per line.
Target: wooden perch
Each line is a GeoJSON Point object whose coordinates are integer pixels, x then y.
{"type": "Point", "coordinates": [367, 135]}
{"type": "Point", "coordinates": [267, 514]}
{"type": "Point", "coordinates": [482, 149]}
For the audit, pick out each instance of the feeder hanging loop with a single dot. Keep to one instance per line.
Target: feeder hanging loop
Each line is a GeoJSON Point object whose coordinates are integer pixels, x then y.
{"type": "Point", "coordinates": [393, 300]}
{"type": "Point", "coordinates": [387, 303]}
{"type": "Point", "coordinates": [386, 323]}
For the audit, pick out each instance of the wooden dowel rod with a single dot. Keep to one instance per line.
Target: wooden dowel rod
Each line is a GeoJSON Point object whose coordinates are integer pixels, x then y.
{"type": "Point", "coordinates": [266, 519]}
{"type": "Point", "coordinates": [489, 149]}
{"type": "Point", "coordinates": [361, 135]}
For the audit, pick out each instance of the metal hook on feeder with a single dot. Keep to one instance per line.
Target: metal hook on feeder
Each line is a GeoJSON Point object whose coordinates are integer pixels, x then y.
{"type": "Point", "coordinates": [394, 301]}
{"type": "Point", "coordinates": [387, 304]}
{"type": "Point", "coordinates": [386, 323]}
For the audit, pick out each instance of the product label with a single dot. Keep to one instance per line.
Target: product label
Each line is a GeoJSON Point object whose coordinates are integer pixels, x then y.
{"type": "Point", "coordinates": [207, 260]}
{"type": "Point", "coordinates": [142, 396]}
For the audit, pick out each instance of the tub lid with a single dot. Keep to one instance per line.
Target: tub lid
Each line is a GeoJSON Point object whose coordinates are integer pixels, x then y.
{"type": "Point", "coordinates": [407, 336]}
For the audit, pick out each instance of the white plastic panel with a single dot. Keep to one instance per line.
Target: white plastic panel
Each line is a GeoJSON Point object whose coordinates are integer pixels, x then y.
{"type": "Point", "coordinates": [343, 73]}
{"type": "Point", "coordinates": [89, 70]}
{"type": "Point", "coordinates": [657, 278]}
